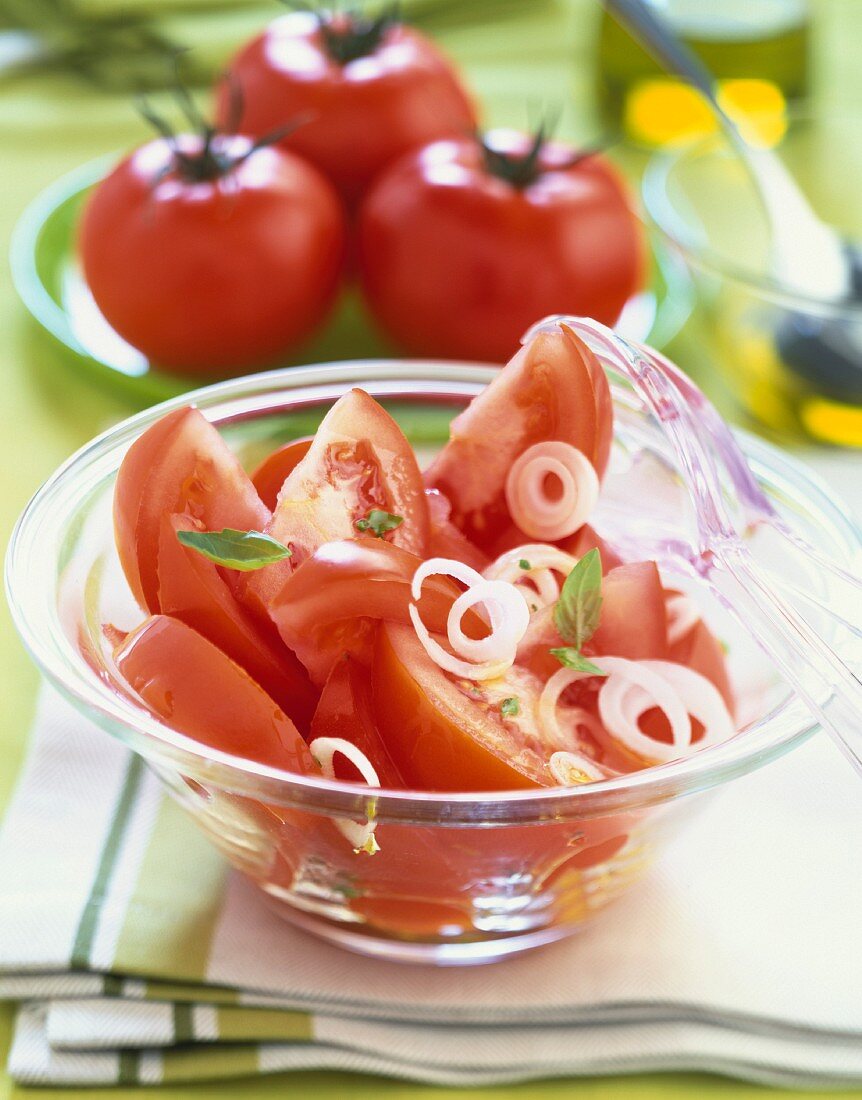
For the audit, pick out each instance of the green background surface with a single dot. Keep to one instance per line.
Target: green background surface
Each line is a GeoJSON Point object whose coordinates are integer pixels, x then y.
{"type": "Point", "coordinates": [520, 58]}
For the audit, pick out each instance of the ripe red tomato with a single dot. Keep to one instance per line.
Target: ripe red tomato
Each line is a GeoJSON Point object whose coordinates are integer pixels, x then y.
{"type": "Point", "coordinates": [553, 389]}
{"type": "Point", "coordinates": [193, 687]}
{"type": "Point", "coordinates": [212, 262]}
{"type": "Point", "coordinates": [458, 261]}
{"type": "Point", "coordinates": [363, 91]}
{"type": "Point", "coordinates": [180, 465]}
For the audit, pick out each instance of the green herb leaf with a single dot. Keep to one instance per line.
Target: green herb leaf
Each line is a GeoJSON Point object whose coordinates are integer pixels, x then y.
{"type": "Point", "coordinates": [576, 613]}
{"type": "Point", "coordinates": [511, 707]}
{"type": "Point", "coordinates": [245, 550]}
{"type": "Point", "coordinates": [571, 658]}
{"type": "Point", "coordinates": [379, 523]}
{"type": "Point", "coordinates": [524, 564]}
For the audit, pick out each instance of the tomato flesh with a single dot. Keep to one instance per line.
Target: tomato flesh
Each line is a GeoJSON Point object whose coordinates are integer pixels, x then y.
{"type": "Point", "coordinates": [181, 465]}
{"type": "Point", "coordinates": [438, 737]}
{"type": "Point", "coordinates": [546, 392]}
{"type": "Point", "coordinates": [345, 711]}
{"type": "Point", "coordinates": [271, 474]}
{"type": "Point", "coordinates": [192, 589]}
{"type": "Point", "coordinates": [328, 605]}
{"type": "Point", "coordinates": [359, 461]}
{"type": "Point", "coordinates": [196, 689]}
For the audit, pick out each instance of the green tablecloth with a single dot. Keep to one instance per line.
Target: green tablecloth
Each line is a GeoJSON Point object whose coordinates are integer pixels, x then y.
{"type": "Point", "coordinates": [536, 55]}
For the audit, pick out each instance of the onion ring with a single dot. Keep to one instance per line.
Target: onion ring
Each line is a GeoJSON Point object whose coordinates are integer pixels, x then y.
{"type": "Point", "coordinates": [530, 506]}
{"type": "Point", "coordinates": [323, 749]}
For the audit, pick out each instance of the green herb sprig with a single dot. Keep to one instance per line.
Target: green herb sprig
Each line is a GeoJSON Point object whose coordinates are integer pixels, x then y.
{"type": "Point", "coordinates": [379, 523]}
{"type": "Point", "coordinates": [577, 611]}
{"type": "Point", "coordinates": [243, 550]}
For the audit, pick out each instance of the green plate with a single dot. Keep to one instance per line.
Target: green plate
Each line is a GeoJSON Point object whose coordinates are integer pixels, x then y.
{"type": "Point", "coordinates": [50, 283]}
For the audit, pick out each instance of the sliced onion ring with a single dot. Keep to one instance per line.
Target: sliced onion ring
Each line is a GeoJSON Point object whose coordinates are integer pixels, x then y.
{"type": "Point", "coordinates": [620, 707]}
{"type": "Point", "coordinates": [571, 768]}
{"type": "Point", "coordinates": [485, 658]}
{"type": "Point", "coordinates": [700, 697]}
{"type": "Point", "coordinates": [529, 504]}
{"type": "Point", "coordinates": [548, 701]}
{"type": "Point", "coordinates": [323, 749]}
{"type": "Point", "coordinates": [544, 561]}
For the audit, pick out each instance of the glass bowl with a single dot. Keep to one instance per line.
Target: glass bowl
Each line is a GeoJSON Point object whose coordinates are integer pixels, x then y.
{"type": "Point", "coordinates": [459, 878]}
{"type": "Point", "coordinates": [794, 362]}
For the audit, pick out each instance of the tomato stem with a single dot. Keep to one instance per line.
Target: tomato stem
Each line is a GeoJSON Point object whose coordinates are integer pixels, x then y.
{"type": "Point", "coordinates": [521, 169]}
{"type": "Point", "coordinates": [212, 161]}
{"type": "Point", "coordinates": [349, 34]}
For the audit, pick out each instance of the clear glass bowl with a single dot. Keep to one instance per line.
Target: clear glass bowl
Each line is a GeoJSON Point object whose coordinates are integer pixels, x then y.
{"type": "Point", "coordinates": [459, 878]}
{"type": "Point", "coordinates": [794, 362]}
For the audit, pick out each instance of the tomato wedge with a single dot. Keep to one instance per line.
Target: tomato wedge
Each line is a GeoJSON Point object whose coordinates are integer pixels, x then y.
{"type": "Point", "coordinates": [553, 389]}
{"type": "Point", "coordinates": [199, 691]}
{"type": "Point", "coordinates": [272, 473]}
{"type": "Point", "coordinates": [439, 738]}
{"type": "Point", "coordinates": [181, 465]}
{"type": "Point", "coordinates": [632, 622]}
{"type": "Point", "coordinates": [702, 652]}
{"type": "Point", "coordinates": [586, 539]}
{"type": "Point", "coordinates": [445, 540]}
{"type": "Point", "coordinates": [328, 605]}
{"type": "Point", "coordinates": [345, 711]}
{"type": "Point", "coordinates": [192, 589]}
{"type": "Point", "coordinates": [633, 619]}
{"type": "Point", "coordinates": [359, 461]}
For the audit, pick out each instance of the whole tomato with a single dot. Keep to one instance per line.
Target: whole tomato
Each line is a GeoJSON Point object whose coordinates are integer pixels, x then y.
{"type": "Point", "coordinates": [365, 90]}
{"type": "Point", "coordinates": [464, 244]}
{"type": "Point", "coordinates": [210, 254]}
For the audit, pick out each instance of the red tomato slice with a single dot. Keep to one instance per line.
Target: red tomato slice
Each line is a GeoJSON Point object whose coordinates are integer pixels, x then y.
{"type": "Point", "coordinates": [326, 607]}
{"type": "Point", "coordinates": [345, 711]}
{"type": "Point", "coordinates": [271, 474]}
{"type": "Point", "coordinates": [181, 465]}
{"type": "Point", "coordinates": [359, 461]}
{"type": "Point", "coordinates": [192, 589]}
{"type": "Point", "coordinates": [439, 738]}
{"type": "Point", "coordinates": [199, 691]}
{"type": "Point", "coordinates": [553, 389]}
{"type": "Point", "coordinates": [586, 539]}
{"type": "Point", "coordinates": [633, 620]}
{"type": "Point", "coordinates": [445, 540]}
{"type": "Point", "coordinates": [702, 652]}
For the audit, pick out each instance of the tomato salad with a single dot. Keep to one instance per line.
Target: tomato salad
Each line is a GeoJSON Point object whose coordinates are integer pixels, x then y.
{"type": "Point", "coordinates": [342, 613]}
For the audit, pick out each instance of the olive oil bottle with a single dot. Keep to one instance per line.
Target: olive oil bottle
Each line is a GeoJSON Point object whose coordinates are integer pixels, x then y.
{"type": "Point", "coordinates": [758, 50]}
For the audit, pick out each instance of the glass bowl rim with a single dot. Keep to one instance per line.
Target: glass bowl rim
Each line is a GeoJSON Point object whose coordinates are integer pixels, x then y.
{"type": "Point", "coordinates": [159, 744]}
{"type": "Point", "coordinates": [676, 231]}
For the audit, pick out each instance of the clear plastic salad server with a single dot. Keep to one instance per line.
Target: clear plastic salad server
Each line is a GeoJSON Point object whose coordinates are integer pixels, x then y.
{"type": "Point", "coordinates": [802, 608]}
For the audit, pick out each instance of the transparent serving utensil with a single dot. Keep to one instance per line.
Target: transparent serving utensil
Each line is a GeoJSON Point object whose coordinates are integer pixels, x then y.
{"type": "Point", "coordinates": [802, 608]}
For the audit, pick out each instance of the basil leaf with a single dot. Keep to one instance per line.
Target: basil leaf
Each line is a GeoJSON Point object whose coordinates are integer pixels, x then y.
{"type": "Point", "coordinates": [571, 658]}
{"type": "Point", "coordinates": [576, 613]}
{"type": "Point", "coordinates": [379, 523]}
{"type": "Point", "coordinates": [511, 707]}
{"type": "Point", "coordinates": [524, 564]}
{"type": "Point", "coordinates": [244, 550]}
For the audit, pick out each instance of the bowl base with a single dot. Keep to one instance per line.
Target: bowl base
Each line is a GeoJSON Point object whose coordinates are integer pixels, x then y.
{"type": "Point", "coordinates": [372, 945]}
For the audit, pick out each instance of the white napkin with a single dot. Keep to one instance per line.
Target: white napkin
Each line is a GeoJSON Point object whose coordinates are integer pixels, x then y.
{"type": "Point", "coordinates": [740, 953]}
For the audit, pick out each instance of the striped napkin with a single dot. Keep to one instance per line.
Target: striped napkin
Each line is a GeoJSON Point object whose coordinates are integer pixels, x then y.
{"type": "Point", "coordinates": [140, 958]}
